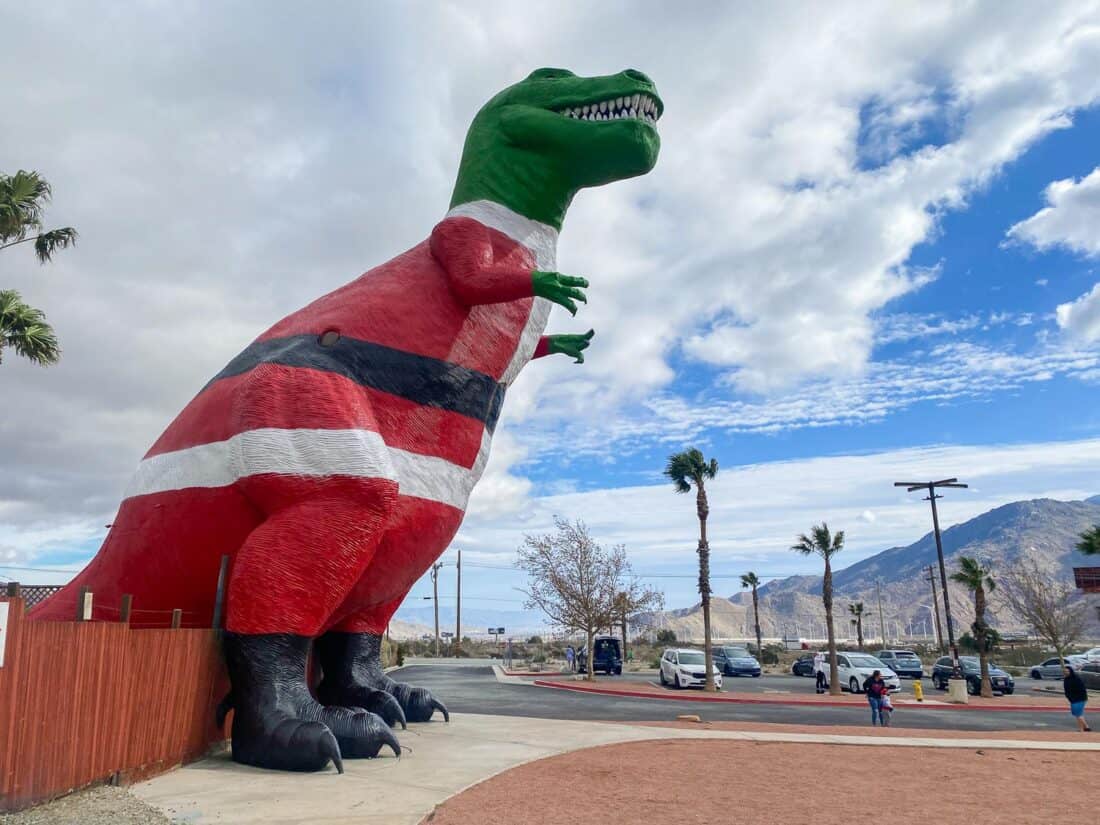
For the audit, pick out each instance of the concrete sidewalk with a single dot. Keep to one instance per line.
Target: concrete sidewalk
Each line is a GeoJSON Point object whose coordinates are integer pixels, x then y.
{"type": "Point", "coordinates": [441, 760]}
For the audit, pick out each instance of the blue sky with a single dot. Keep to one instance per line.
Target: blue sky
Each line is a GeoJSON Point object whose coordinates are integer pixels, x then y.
{"type": "Point", "coordinates": [848, 265]}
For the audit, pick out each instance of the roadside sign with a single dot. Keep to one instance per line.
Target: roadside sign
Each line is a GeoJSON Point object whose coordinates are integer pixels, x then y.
{"type": "Point", "coordinates": [1087, 579]}
{"type": "Point", "coordinates": [500, 630]}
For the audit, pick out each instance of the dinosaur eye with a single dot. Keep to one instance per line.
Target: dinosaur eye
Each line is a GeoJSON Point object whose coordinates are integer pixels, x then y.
{"type": "Point", "coordinates": [329, 338]}
{"type": "Point", "coordinates": [550, 74]}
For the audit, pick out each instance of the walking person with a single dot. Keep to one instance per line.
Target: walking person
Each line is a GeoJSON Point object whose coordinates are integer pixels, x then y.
{"type": "Point", "coordinates": [819, 672]}
{"type": "Point", "coordinates": [570, 658]}
{"type": "Point", "coordinates": [875, 687]}
{"type": "Point", "coordinates": [1078, 696]}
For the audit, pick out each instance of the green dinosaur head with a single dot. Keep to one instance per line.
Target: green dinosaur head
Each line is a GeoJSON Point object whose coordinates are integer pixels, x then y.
{"type": "Point", "coordinates": [534, 145]}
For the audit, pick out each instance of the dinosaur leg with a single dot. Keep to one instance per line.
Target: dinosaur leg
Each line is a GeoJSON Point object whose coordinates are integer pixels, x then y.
{"type": "Point", "coordinates": [352, 666]}
{"type": "Point", "coordinates": [292, 571]}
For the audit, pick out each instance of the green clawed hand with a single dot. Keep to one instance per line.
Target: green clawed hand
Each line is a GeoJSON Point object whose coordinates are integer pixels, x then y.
{"type": "Point", "coordinates": [571, 345]}
{"type": "Point", "coordinates": [561, 289]}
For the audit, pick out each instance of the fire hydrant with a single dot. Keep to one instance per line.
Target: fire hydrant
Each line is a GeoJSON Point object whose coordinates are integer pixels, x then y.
{"type": "Point", "coordinates": [918, 690]}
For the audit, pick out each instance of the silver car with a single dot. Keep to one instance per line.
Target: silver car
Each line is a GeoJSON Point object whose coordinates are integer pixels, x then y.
{"type": "Point", "coordinates": [1052, 668]}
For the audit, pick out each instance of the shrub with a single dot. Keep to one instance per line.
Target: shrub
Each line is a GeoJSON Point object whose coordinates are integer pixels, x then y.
{"type": "Point", "coordinates": [666, 637]}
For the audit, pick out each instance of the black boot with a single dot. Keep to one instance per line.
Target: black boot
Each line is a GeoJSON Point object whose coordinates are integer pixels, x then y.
{"type": "Point", "coordinates": [277, 723]}
{"type": "Point", "coordinates": [352, 667]}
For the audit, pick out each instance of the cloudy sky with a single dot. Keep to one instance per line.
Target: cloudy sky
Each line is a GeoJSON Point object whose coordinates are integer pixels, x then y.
{"type": "Point", "coordinates": [868, 251]}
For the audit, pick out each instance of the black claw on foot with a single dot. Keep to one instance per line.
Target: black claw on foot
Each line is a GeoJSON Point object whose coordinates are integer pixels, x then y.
{"type": "Point", "coordinates": [286, 744]}
{"type": "Point", "coordinates": [418, 702]}
{"type": "Point", "coordinates": [353, 676]}
{"type": "Point", "coordinates": [277, 723]}
{"type": "Point", "coordinates": [376, 701]}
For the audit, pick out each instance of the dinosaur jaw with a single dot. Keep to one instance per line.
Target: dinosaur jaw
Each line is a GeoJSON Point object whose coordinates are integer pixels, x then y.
{"type": "Point", "coordinates": [638, 106]}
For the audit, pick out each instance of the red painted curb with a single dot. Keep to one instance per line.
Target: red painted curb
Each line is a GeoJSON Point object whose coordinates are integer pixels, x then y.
{"type": "Point", "coordinates": [687, 697]}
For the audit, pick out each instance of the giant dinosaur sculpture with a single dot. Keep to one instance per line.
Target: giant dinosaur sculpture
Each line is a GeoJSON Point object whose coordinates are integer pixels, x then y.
{"type": "Point", "coordinates": [332, 459]}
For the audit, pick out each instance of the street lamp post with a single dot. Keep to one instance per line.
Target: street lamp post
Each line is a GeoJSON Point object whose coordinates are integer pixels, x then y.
{"type": "Point", "coordinates": [930, 486]}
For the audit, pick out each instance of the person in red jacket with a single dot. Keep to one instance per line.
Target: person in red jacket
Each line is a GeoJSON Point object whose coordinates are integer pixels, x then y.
{"type": "Point", "coordinates": [875, 688]}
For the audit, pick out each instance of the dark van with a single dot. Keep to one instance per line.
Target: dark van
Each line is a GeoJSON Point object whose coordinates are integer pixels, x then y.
{"type": "Point", "coordinates": [608, 656]}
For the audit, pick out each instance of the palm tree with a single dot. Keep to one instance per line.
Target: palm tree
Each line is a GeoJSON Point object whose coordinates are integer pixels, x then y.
{"type": "Point", "coordinates": [822, 543]}
{"type": "Point", "coordinates": [977, 579]}
{"type": "Point", "coordinates": [856, 609]}
{"type": "Point", "coordinates": [25, 330]}
{"type": "Point", "coordinates": [1090, 542]}
{"type": "Point", "coordinates": [22, 197]}
{"type": "Point", "coordinates": [750, 580]}
{"type": "Point", "coordinates": [685, 469]}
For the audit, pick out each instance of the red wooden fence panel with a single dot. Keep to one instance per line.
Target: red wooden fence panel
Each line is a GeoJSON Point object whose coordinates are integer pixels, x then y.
{"type": "Point", "coordinates": [83, 701]}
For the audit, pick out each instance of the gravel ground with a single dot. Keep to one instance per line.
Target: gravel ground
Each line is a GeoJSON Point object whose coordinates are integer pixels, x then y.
{"type": "Point", "coordinates": [101, 805]}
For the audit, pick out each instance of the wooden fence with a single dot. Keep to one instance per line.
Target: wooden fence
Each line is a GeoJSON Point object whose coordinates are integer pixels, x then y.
{"type": "Point", "coordinates": [86, 702]}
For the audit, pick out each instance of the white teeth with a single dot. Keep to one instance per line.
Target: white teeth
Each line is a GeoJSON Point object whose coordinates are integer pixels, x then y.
{"type": "Point", "coordinates": [635, 106]}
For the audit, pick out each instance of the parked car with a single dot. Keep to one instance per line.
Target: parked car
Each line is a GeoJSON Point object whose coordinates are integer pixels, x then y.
{"type": "Point", "coordinates": [1052, 668]}
{"type": "Point", "coordinates": [905, 663]}
{"type": "Point", "coordinates": [735, 661]}
{"type": "Point", "coordinates": [686, 668]}
{"type": "Point", "coordinates": [608, 656]}
{"type": "Point", "coordinates": [1001, 681]}
{"type": "Point", "coordinates": [803, 665]}
{"type": "Point", "coordinates": [1093, 656]}
{"type": "Point", "coordinates": [854, 668]}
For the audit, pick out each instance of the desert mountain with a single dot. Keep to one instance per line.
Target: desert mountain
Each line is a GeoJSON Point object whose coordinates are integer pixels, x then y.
{"type": "Point", "coordinates": [1045, 528]}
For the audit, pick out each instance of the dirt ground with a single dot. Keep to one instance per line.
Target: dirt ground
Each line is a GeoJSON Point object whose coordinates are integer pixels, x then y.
{"type": "Point", "coordinates": [765, 782]}
{"type": "Point", "coordinates": [1069, 733]}
{"type": "Point", "coordinates": [96, 806]}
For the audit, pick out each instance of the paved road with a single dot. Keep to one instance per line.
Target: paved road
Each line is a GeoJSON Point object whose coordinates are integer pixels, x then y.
{"type": "Point", "coordinates": [472, 688]}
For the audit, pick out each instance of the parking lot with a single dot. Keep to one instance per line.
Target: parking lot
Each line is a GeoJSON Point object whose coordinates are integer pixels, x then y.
{"type": "Point", "coordinates": [469, 686]}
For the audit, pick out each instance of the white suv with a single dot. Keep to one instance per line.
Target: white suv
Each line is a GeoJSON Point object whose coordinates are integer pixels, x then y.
{"type": "Point", "coordinates": [854, 668]}
{"type": "Point", "coordinates": [686, 668]}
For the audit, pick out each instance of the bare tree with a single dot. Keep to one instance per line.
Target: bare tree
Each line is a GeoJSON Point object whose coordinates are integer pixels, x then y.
{"type": "Point", "coordinates": [579, 585]}
{"type": "Point", "coordinates": [1048, 605]}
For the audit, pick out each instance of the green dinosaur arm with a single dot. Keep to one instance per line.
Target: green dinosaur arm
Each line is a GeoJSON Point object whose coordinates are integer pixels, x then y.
{"type": "Point", "coordinates": [571, 345]}
{"type": "Point", "coordinates": [561, 289]}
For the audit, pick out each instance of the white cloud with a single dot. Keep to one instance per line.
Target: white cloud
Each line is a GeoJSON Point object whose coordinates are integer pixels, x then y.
{"type": "Point", "coordinates": [757, 510]}
{"type": "Point", "coordinates": [1081, 318]}
{"type": "Point", "coordinates": [954, 371]}
{"type": "Point", "coordinates": [228, 163]}
{"type": "Point", "coordinates": [1069, 220]}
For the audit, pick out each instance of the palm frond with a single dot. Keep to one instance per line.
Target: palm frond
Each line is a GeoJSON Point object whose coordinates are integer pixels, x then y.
{"type": "Point", "coordinates": [22, 198]}
{"type": "Point", "coordinates": [46, 244]}
{"type": "Point", "coordinates": [24, 329]}
{"type": "Point", "coordinates": [689, 467]}
{"type": "Point", "coordinates": [804, 545]}
{"type": "Point", "coordinates": [1090, 542]}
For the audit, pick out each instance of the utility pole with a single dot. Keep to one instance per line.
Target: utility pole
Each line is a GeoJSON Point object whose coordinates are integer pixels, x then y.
{"type": "Point", "coordinates": [936, 608]}
{"type": "Point", "coordinates": [931, 486]}
{"type": "Point", "coordinates": [881, 623]}
{"type": "Point", "coordinates": [435, 599]}
{"type": "Point", "coordinates": [458, 608]}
